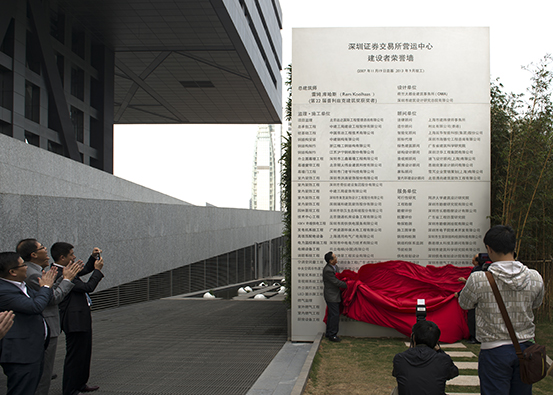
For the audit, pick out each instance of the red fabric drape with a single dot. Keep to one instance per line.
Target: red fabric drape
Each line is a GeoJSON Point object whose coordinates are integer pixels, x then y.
{"type": "Point", "coordinates": [386, 294]}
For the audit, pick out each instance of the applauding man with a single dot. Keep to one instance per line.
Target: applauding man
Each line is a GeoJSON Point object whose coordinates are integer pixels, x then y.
{"type": "Point", "coordinates": [22, 348]}
{"type": "Point", "coordinates": [36, 258]}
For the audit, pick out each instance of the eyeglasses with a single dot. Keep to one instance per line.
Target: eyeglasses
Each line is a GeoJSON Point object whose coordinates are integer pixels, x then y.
{"type": "Point", "coordinates": [40, 248]}
{"type": "Point", "coordinates": [17, 267]}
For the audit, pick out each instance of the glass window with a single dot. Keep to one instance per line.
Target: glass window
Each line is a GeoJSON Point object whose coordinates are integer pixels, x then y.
{"type": "Point", "coordinates": [32, 102]}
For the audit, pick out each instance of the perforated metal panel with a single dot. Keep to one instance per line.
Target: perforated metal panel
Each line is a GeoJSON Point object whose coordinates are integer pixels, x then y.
{"type": "Point", "coordinates": [234, 267]}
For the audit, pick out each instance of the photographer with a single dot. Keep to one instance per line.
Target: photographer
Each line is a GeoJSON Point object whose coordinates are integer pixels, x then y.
{"type": "Point", "coordinates": [522, 290]}
{"type": "Point", "coordinates": [481, 262]}
{"type": "Point", "coordinates": [423, 368]}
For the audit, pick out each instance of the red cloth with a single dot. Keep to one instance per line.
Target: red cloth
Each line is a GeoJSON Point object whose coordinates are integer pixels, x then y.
{"type": "Point", "coordinates": [386, 294]}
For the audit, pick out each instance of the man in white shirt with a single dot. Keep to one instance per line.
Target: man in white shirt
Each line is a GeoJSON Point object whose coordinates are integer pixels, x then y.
{"type": "Point", "coordinates": [522, 291]}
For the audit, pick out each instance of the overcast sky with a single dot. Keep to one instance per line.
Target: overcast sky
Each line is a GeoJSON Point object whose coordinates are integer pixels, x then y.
{"type": "Point", "coordinates": [213, 163]}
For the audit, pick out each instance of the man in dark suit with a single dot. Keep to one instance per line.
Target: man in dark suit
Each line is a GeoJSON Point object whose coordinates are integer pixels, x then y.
{"type": "Point", "coordinates": [36, 258]}
{"type": "Point", "coordinates": [22, 348]}
{"type": "Point", "coordinates": [76, 320]}
{"type": "Point", "coordinates": [332, 295]}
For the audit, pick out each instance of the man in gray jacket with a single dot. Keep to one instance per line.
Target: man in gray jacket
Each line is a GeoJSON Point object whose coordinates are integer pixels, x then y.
{"type": "Point", "coordinates": [522, 291]}
{"type": "Point", "coordinates": [332, 295]}
{"type": "Point", "coordinates": [36, 258]}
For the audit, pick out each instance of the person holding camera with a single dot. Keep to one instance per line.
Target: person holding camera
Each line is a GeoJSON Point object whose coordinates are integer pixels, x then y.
{"type": "Point", "coordinates": [76, 319]}
{"type": "Point", "coordinates": [423, 368]}
{"type": "Point", "coordinates": [522, 291]}
{"type": "Point", "coordinates": [480, 262]}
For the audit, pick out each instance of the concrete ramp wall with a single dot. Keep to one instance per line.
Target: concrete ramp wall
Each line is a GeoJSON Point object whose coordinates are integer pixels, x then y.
{"type": "Point", "coordinates": [142, 232]}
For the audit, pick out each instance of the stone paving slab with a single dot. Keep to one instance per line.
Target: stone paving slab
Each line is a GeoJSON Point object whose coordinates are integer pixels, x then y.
{"type": "Point", "coordinates": [466, 365]}
{"type": "Point", "coordinates": [453, 345]}
{"type": "Point", "coordinates": [465, 380]}
{"type": "Point", "coordinates": [461, 354]}
{"type": "Point", "coordinates": [446, 345]}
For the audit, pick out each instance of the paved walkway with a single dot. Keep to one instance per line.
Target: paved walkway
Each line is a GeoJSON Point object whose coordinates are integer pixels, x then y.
{"type": "Point", "coordinates": [181, 347]}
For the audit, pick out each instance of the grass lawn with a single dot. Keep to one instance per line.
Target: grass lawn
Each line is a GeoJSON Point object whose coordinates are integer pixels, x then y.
{"type": "Point", "coordinates": [364, 366]}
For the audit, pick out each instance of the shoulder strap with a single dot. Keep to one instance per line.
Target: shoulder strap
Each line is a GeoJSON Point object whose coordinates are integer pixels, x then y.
{"type": "Point", "coordinates": [504, 313]}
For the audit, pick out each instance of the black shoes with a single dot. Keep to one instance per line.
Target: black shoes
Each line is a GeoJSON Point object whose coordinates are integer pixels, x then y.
{"type": "Point", "coordinates": [334, 339]}
{"type": "Point", "coordinates": [87, 388]}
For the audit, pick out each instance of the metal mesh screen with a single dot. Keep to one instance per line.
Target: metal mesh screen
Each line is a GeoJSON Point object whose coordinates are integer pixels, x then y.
{"type": "Point", "coordinates": [231, 268]}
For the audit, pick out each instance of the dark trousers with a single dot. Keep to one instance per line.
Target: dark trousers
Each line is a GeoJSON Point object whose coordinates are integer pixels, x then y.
{"type": "Point", "coordinates": [48, 367]}
{"type": "Point", "coordinates": [23, 378]}
{"type": "Point", "coordinates": [499, 371]}
{"type": "Point", "coordinates": [76, 368]}
{"type": "Point", "coordinates": [333, 318]}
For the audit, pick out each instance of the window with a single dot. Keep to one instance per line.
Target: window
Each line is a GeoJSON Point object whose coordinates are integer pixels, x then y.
{"type": "Point", "coordinates": [6, 88]}
{"type": "Point", "coordinates": [77, 82]}
{"type": "Point", "coordinates": [55, 147]}
{"type": "Point", "coordinates": [57, 24]}
{"type": "Point", "coordinates": [32, 102]}
{"type": "Point", "coordinates": [77, 118]}
{"type": "Point", "coordinates": [32, 139]}
{"type": "Point", "coordinates": [6, 128]}
{"type": "Point", "coordinates": [60, 61]}
{"type": "Point", "coordinates": [78, 42]}
{"type": "Point", "coordinates": [32, 53]}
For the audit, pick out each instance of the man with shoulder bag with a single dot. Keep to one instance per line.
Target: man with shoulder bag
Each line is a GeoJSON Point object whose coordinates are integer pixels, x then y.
{"type": "Point", "coordinates": [521, 289]}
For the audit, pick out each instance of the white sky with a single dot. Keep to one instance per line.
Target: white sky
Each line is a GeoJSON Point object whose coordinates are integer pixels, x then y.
{"type": "Point", "coordinates": [213, 163]}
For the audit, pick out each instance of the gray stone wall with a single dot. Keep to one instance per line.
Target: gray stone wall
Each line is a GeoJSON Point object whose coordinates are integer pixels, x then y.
{"type": "Point", "coordinates": [142, 232]}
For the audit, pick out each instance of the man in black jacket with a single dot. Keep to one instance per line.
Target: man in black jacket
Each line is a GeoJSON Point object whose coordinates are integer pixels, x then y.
{"type": "Point", "coordinates": [422, 369]}
{"type": "Point", "coordinates": [76, 320]}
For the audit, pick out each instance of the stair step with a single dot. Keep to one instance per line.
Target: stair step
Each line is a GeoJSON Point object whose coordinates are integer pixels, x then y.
{"type": "Point", "coordinates": [466, 365]}
{"type": "Point", "coordinates": [461, 354]}
{"type": "Point", "coordinates": [465, 381]}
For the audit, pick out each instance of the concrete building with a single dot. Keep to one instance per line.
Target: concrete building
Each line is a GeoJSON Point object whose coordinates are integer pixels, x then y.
{"type": "Point", "coordinates": [70, 69]}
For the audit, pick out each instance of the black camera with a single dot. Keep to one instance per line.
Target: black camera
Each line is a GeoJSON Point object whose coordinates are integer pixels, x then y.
{"type": "Point", "coordinates": [483, 257]}
{"type": "Point", "coordinates": [421, 310]}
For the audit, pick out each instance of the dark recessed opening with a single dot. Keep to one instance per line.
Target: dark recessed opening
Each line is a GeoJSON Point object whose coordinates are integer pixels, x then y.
{"type": "Point", "coordinates": [197, 84]}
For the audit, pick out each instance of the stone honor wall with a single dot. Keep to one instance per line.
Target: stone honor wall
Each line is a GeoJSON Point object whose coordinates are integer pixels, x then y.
{"type": "Point", "coordinates": [391, 154]}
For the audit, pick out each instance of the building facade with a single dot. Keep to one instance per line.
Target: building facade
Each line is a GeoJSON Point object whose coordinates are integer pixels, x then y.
{"type": "Point", "coordinates": [70, 69]}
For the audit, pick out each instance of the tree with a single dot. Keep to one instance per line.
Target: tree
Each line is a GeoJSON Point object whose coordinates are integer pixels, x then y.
{"type": "Point", "coordinates": [286, 192]}
{"type": "Point", "coordinates": [522, 170]}
{"type": "Point", "coordinates": [522, 167]}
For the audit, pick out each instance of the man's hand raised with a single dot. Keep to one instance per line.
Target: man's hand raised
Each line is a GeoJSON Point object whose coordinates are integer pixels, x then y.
{"type": "Point", "coordinates": [48, 278]}
{"type": "Point", "coordinates": [71, 270]}
{"type": "Point", "coordinates": [6, 322]}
